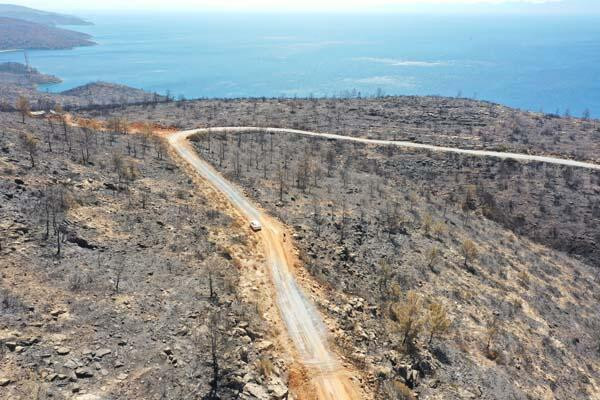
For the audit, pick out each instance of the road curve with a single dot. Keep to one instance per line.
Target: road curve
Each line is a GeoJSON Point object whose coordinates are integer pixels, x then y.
{"type": "Point", "coordinates": [304, 325]}
{"type": "Point", "coordinates": [412, 145]}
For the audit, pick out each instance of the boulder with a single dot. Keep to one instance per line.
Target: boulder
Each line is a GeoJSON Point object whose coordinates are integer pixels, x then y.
{"type": "Point", "coordinates": [102, 352]}
{"type": "Point", "coordinates": [57, 312]}
{"type": "Point", "coordinates": [62, 351]}
{"type": "Point", "coordinates": [264, 345]}
{"type": "Point", "coordinates": [256, 391]}
{"type": "Point", "coordinates": [88, 396]}
{"type": "Point", "coordinates": [239, 332]}
{"type": "Point", "coordinates": [71, 364]}
{"type": "Point", "coordinates": [277, 389]}
{"type": "Point", "coordinates": [246, 339]}
{"type": "Point", "coordinates": [84, 372]}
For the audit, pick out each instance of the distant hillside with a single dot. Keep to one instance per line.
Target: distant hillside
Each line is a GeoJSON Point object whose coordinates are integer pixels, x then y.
{"type": "Point", "coordinates": [99, 94]}
{"type": "Point", "coordinates": [19, 34]}
{"type": "Point", "coordinates": [11, 72]}
{"type": "Point", "coordinates": [38, 16]}
{"type": "Point", "coordinates": [111, 93]}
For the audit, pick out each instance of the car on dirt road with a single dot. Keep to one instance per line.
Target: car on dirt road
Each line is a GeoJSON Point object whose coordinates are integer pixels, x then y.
{"type": "Point", "coordinates": [255, 225]}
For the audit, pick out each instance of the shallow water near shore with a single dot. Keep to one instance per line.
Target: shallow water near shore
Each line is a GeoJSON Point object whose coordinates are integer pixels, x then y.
{"type": "Point", "coordinates": [536, 63]}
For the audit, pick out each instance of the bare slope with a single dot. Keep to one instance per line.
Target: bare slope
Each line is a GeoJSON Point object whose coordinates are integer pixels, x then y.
{"type": "Point", "coordinates": [558, 210]}
{"type": "Point", "coordinates": [146, 299]}
{"type": "Point", "coordinates": [404, 232]}
{"type": "Point", "coordinates": [303, 324]}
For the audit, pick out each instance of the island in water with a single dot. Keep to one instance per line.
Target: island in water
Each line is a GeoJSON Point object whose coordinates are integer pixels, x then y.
{"type": "Point", "coordinates": [26, 28]}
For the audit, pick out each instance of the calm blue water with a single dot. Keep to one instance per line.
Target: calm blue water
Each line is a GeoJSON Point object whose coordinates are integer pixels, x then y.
{"type": "Point", "coordinates": [529, 62]}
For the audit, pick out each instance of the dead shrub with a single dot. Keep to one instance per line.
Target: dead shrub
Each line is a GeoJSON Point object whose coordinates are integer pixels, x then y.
{"type": "Point", "coordinates": [396, 390]}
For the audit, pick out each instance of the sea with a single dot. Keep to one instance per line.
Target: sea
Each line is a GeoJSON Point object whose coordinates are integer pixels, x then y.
{"type": "Point", "coordinates": [538, 63]}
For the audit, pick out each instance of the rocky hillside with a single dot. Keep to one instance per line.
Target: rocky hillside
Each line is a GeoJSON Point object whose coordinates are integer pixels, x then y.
{"type": "Point", "coordinates": [120, 277]}
{"type": "Point", "coordinates": [20, 34]}
{"type": "Point", "coordinates": [552, 206]}
{"type": "Point", "coordinates": [430, 290]}
{"type": "Point", "coordinates": [440, 276]}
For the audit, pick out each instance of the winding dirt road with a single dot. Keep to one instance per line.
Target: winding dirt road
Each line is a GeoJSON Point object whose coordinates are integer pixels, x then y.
{"type": "Point", "coordinates": [304, 325]}
{"type": "Point", "coordinates": [482, 153]}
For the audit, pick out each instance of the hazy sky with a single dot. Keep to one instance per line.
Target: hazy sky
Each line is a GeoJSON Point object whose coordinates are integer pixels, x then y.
{"type": "Point", "coordinates": [321, 5]}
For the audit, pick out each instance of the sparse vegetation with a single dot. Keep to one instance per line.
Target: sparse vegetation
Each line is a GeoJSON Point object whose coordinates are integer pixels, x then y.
{"type": "Point", "coordinates": [23, 107]}
{"type": "Point", "coordinates": [92, 258]}
{"type": "Point", "coordinates": [386, 227]}
{"type": "Point", "coordinates": [469, 251]}
{"type": "Point", "coordinates": [408, 317]}
{"type": "Point", "coordinates": [414, 250]}
{"type": "Point", "coordinates": [396, 390]}
{"type": "Point", "coordinates": [438, 322]}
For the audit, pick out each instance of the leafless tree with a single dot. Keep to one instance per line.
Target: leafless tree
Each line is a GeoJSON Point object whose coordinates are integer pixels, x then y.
{"type": "Point", "coordinates": [317, 217]}
{"type": "Point", "coordinates": [237, 164]}
{"type": "Point", "coordinates": [147, 133]}
{"type": "Point", "coordinates": [56, 201]}
{"type": "Point", "coordinates": [160, 147]}
{"type": "Point", "coordinates": [222, 147]}
{"type": "Point", "coordinates": [119, 270]}
{"type": "Point", "coordinates": [331, 159]}
{"type": "Point", "coordinates": [219, 346]}
{"type": "Point", "coordinates": [281, 182]}
{"type": "Point", "coordinates": [343, 220]}
{"type": "Point", "coordinates": [85, 144]}
{"type": "Point", "coordinates": [49, 134]}
{"type": "Point", "coordinates": [24, 107]}
{"type": "Point", "coordinates": [65, 125]}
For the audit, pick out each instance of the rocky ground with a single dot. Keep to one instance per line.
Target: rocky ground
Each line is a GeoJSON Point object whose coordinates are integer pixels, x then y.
{"type": "Point", "coordinates": [122, 277]}
{"type": "Point", "coordinates": [408, 243]}
{"type": "Point", "coordinates": [440, 276]}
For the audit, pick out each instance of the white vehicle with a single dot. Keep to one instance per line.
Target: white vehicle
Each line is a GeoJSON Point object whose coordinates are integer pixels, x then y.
{"type": "Point", "coordinates": [255, 225]}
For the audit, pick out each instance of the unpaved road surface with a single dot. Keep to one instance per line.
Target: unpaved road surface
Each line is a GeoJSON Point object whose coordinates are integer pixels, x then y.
{"type": "Point", "coordinates": [482, 153]}
{"type": "Point", "coordinates": [304, 324]}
